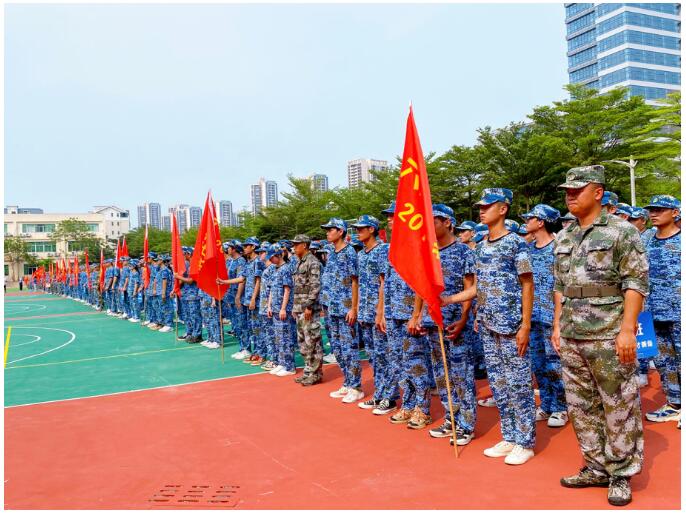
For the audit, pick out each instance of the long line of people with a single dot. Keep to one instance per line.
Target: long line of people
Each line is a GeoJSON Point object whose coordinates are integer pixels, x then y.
{"type": "Point", "coordinates": [282, 296]}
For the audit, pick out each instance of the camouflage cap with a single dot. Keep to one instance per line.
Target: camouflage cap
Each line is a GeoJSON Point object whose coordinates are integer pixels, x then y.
{"type": "Point", "coordinates": [568, 217]}
{"type": "Point", "coordinates": [610, 198]}
{"type": "Point", "coordinates": [638, 212]}
{"type": "Point", "coordinates": [664, 202]}
{"type": "Point", "coordinates": [543, 212]}
{"type": "Point", "coordinates": [391, 209]}
{"type": "Point", "coordinates": [467, 225]}
{"type": "Point", "coordinates": [492, 195]}
{"type": "Point", "coordinates": [301, 238]}
{"type": "Point", "coordinates": [580, 177]}
{"type": "Point", "coordinates": [624, 208]}
{"type": "Point", "coordinates": [512, 225]}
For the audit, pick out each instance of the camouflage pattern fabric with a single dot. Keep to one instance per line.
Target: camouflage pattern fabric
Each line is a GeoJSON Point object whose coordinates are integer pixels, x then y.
{"type": "Point", "coordinates": [345, 345]}
{"type": "Point", "coordinates": [604, 405]}
{"type": "Point", "coordinates": [509, 376]}
{"type": "Point", "coordinates": [310, 345]}
{"type": "Point", "coordinates": [499, 292]}
{"type": "Point", "coordinates": [607, 253]}
{"type": "Point", "coordinates": [668, 359]}
{"type": "Point", "coordinates": [664, 257]}
{"type": "Point", "coordinates": [547, 368]}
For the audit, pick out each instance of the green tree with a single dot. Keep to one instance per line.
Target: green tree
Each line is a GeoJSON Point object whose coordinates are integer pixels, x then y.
{"type": "Point", "coordinates": [16, 250]}
{"type": "Point", "coordinates": [77, 237]}
{"type": "Point", "coordinates": [159, 241]}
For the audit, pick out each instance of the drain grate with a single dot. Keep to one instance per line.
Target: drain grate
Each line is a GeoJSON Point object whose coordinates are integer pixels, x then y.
{"type": "Point", "coordinates": [196, 496]}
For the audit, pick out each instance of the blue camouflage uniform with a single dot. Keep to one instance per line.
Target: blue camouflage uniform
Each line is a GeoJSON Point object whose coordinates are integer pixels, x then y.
{"type": "Point", "coordinates": [371, 264]}
{"type": "Point", "coordinates": [544, 359]}
{"type": "Point", "coordinates": [338, 273]}
{"type": "Point", "coordinates": [664, 303]}
{"type": "Point", "coordinates": [210, 317]}
{"type": "Point", "coordinates": [267, 343]}
{"type": "Point", "coordinates": [499, 313]}
{"type": "Point", "coordinates": [166, 303]}
{"type": "Point", "coordinates": [108, 292]}
{"type": "Point", "coordinates": [457, 261]}
{"type": "Point", "coordinates": [237, 315]}
{"type": "Point", "coordinates": [132, 286]}
{"type": "Point", "coordinates": [114, 294]}
{"type": "Point", "coordinates": [282, 279]}
{"type": "Point", "coordinates": [122, 287]}
{"type": "Point", "coordinates": [251, 272]}
{"type": "Point", "coordinates": [155, 290]}
{"type": "Point", "coordinates": [191, 302]}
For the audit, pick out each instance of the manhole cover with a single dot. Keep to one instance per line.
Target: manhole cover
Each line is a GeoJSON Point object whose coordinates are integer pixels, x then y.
{"type": "Point", "coordinates": [196, 496]}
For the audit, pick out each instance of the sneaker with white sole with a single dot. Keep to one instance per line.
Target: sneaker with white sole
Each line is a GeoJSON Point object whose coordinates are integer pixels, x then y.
{"type": "Point", "coordinates": [330, 359]}
{"type": "Point", "coordinates": [242, 355]}
{"type": "Point", "coordinates": [212, 345]}
{"type": "Point", "coordinates": [664, 413]}
{"type": "Point", "coordinates": [235, 354]}
{"type": "Point", "coordinates": [165, 329]}
{"type": "Point", "coordinates": [204, 343]}
{"type": "Point", "coordinates": [276, 369]}
{"type": "Point", "coordinates": [285, 373]}
{"type": "Point", "coordinates": [541, 415]}
{"type": "Point", "coordinates": [502, 449]}
{"type": "Point", "coordinates": [558, 419]}
{"type": "Point", "coordinates": [519, 455]}
{"type": "Point", "coordinates": [369, 404]}
{"type": "Point", "coordinates": [340, 393]}
{"type": "Point", "coordinates": [487, 402]}
{"type": "Point", "coordinates": [445, 430]}
{"type": "Point", "coordinates": [353, 396]}
{"type": "Point", "coordinates": [384, 407]}
{"type": "Point", "coordinates": [145, 323]}
{"type": "Point", "coordinates": [463, 437]}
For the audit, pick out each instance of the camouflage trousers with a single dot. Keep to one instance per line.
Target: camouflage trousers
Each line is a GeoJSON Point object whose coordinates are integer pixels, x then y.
{"type": "Point", "coordinates": [149, 307]}
{"type": "Point", "coordinates": [509, 376]}
{"type": "Point", "coordinates": [210, 318]}
{"type": "Point", "coordinates": [668, 359]}
{"type": "Point", "coordinates": [283, 338]}
{"type": "Point", "coordinates": [154, 304]}
{"type": "Point", "coordinates": [252, 330]}
{"type": "Point", "coordinates": [239, 322]}
{"type": "Point", "coordinates": [460, 373]}
{"type": "Point", "coordinates": [410, 355]}
{"type": "Point", "coordinates": [310, 343]}
{"type": "Point", "coordinates": [379, 348]}
{"type": "Point", "coordinates": [604, 405]}
{"type": "Point", "coordinates": [471, 337]}
{"type": "Point", "coordinates": [267, 337]}
{"type": "Point", "coordinates": [345, 346]}
{"type": "Point", "coordinates": [547, 368]}
{"type": "Point", "coordinates": [191, 309]}
{"type": "Point", "coordinates": [167, 307]}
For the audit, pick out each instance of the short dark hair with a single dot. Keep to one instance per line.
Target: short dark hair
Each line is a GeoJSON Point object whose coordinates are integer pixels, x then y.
{"type": "Point", "coordinates": [553, 227]}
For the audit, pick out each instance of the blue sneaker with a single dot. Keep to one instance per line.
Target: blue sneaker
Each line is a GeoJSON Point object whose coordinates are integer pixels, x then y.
{"type": "Point", "coordinates": [664, 413]}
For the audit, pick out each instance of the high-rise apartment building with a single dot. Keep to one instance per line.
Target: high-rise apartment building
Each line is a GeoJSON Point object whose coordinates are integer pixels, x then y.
{"type": "Point", "coordinates": [225, 213]}
{"type": "Point", "coordinates": [634, 45]}
{"type": "Point", "coordinates": [359, 170]}
{"type": "Point", "coordinates": [263, 194]}
{"type": "Point", "coordinates": [319, 182]}
{"type": "Point", "coordinates": [150, 213]}
{"type": "Point", "coordinates": [195, 216]}
{"type": "Point", "coordinates": [166, 223]}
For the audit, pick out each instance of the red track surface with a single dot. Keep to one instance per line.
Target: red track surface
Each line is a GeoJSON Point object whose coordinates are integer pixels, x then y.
{"type": "Point", "coordinates": [292, 447]}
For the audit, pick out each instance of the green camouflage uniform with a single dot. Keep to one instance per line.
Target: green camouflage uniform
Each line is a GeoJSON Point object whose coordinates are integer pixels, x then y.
{"type": "Point", "coordinates": [593, 267]}
{"type": "Point", "coordinates": [306, 286]}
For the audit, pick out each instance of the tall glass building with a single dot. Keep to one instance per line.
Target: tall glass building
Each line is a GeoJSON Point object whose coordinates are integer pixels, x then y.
{"type": "Point", "coordinates": [625, 45]}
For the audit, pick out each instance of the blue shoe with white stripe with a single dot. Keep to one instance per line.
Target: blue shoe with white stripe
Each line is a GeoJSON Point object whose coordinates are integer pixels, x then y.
{"type": "Point", "coordinates": [664, 413]}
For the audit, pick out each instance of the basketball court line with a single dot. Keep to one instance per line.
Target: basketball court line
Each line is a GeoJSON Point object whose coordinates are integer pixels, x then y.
{"type": "Point", "coordinates": [135, 390]}
{"type": "Point", "coordinates": [73, 337]}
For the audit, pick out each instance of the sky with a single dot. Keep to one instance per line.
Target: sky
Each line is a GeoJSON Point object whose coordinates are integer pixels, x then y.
{"type": "Point", "coordinates": [123, 104]}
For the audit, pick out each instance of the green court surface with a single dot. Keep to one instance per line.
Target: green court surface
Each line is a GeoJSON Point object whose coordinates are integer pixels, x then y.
{"type": "Point", "coordinates": [61, 349]}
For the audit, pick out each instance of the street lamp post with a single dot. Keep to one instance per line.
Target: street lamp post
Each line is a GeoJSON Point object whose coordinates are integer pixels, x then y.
{"type": "Point", "coordinates": [632, 167]}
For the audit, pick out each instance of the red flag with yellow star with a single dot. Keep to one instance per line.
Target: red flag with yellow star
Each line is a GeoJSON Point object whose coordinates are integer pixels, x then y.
{"type": "Point", "coordinates": [414, 249]}
{"type": "Point", "coordinates": [207, 263]}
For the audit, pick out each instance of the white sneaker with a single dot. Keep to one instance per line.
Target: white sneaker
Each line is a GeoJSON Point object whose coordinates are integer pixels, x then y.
{"type": "Point", "coordinates": [353, 396]}
{"type": "Point", "coordinates": [212, 345]}
{"type": "Point", "coordinates": [340, 393]}
{"type": "Point", "coordinates": [145, 323]}
{"type": "Point", "coordinates": [132, 320]}
{"type": "Point", "coordinates": [558, 419]}
{"type": "Point", "coordinates": [276, 370]}
{"type": "Point", "coordinates": [165, 329]}
{"type": "Point", "coordinates": [518, 455]}
{"type": "Point", "coordinates": [487, 402]}
{"type": "Point", "coordinates": [235, 354]}
{"type": "Point", "coordinates": [541, 415]}
{"type": "Point", "coordinates": [243, 354]}
{"type": "Point", "coordinates": [204, 343]}
{"type": "Point", "coordinates": [285, 373]}
{"type": "Point", "coordinates": [330, 359]}
{"type": "Point", "coordinates": [642, 380]}
{"type": "Point", "coordinates": [501, 449]}
{"type": "Point", "coordinates": [124, 316]}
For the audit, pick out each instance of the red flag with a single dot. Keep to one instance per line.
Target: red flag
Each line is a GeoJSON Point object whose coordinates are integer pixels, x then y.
{"type": "Point", "coordinates": [101, 278]}
{"type": "Point", "coordinates": [207, 264]}
{"type": "Point", "coordinates": [124, 249]}
{"type": "Point", "coordinates": [76, 271]}
{"type": "Point", "coordinates": [117, 261]}
{"type": "Point", "coordinates": [88, 273]}
{"type": "Point", "coordinates": [414, 249]}
{"type": "Point", "coordinates": [146, 271]}
{"type": "Point", "coordinates": [178, 265]}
